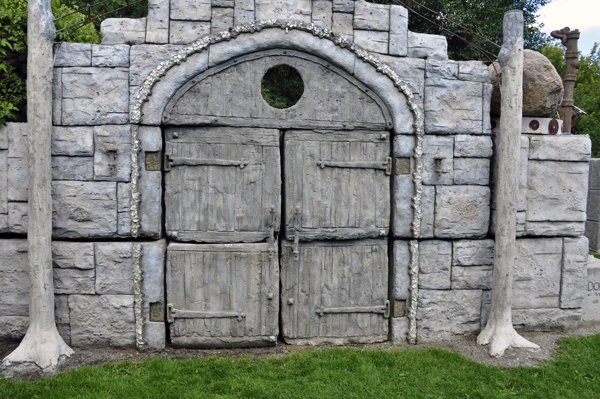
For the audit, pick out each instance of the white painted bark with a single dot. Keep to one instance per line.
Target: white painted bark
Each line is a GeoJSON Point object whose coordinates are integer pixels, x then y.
{"type": "Point", "coordinates": [42, 344]}
{"type": "Point", "coordinates": [499, 332]}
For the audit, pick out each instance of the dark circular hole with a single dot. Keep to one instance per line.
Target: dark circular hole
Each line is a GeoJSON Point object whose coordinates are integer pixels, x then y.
{"type": "Point", "coordinates": [282, 86]}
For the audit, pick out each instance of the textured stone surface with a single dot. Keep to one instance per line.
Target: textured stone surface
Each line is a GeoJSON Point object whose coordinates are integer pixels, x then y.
{"type": "Point", "coordinates": [284, 9]}
{"type": "Point", "coordinates": [473, 252]}
{"type": "Point", "coordinates": [550, 229]}
{"type": "Point", "coordinates": [448, 314]}
{"type": "Point", "coordinates": [487, 99]}
{"type": "Point", "coordinates": [557, 191]}
{"type": "Point", "coordinates": [112, 156]}
{"type": "Point", "coordinates": [404, 189]}
{"type": "Point", "coordinates": [593, 205]}
{"type": "Point", "coordinates": [153, 260]}
{"type": "Point", "coordinates": [14, 278]}
{"type": "Point", "coordinates": [74, 281]}
{"type": "Point", "coordinates": [372, 40]}
{"type": "Point", "coordinates": [472, 277]}
{"type": "Point", "coordinates": [17, 217]}
{"type": "Point", "coordinates": [435, 69]}
{"type": "Point", "coordinates": [537, 273]}
{"type": "Point", "coordinates": [427, 211]}
{"type": "Point", "coordinates": [17, 179]}
{"type": "Point", "coordinates": [191, 10]}
{"type": "Point", "coordinates": [453, 106]}
{"type": "Point", "coordinates": [546, 319]}
{"type": "Point", "coordinates": [322, 13]}
{"type": "Point", "coordinates": [411, 70]}
{"type": "Point", "coordinates": [184, 32]}
{"type": "Point", "coordinates": [472, 146]}
{"type": "Point", "coordinates": [17, 140]}
{"type": "Point", "coordinates": [84, 209]}
{"type": "Point", "coordinates": [595, 174]}
{"type": "Point", "coordinates": [73, 54]}
{"type": "Point", "coordinates": [110, 56]}
{"type": "Point", "coordinates": [157, 25]}
{"type": "Point", "coordinates": [472, 171]}
{"type": "Point", "coordinates": [146, 57]}
{"type": "Point", "coordinates": [435, 262]}
{"type": "Point", "coordinates": [72, 168]}
{"type": "Point", "coordinates": [243, 12]}
{"type": "Point", "coordinates": [473, 71]}
{"type": "Point", "coordinates": [4, 136]}
{"type": "Point", "coordinates": [342, 24]}
{"type": "Point", "coordinates": [3, 182]}
{"type": "Point", "coordinates": [542, 86]}
{"type": "Point", "coordinates": [346, 6]}
{"type": "Point", "coordinates": [73, 141]}
{"type": "Point", "coordinates": [592, 230]}
{"type": "Point", "coordinates": [574, 272]}
{"type": "Point", "coordinates": [72, 255]}
{"type": "Point", "coordinates": [438, 165]}
{"type": "Point", "coordinates": [398, 31]}
{"type": "Point", "coordinates": [13, 327]}
{"type": "Point", "coordinates": [462, 211]}
{"type": "Point", "coordinates": [422, 45]}
{"type": "Point", "coordinates": [402, 260]}
{"type": "Point", "coordinates": [95, 96]}
{"type": "Point", "coordinates": [369, 16]}
{"type": "Point", "coordinates": [106, 320]}
{"type": "Point", "coordinates": [124, 209]}
{"type": "Point", "coordinates": [114, 268]}
{"type": "Point", "coordinates": [123, 31]}
{"type": "Point", "coordinates": [560, 148]}
{"type": "Point", "coordinates": [399, 330]}
{"type": "Point", "coordinates": [57, 96]}
{"type": "Point", "coordinates": [3, 223]}
{"type": "Point", "coordinates": [591, 302]}
{"type": "Point", "coordinates": [222, 19]}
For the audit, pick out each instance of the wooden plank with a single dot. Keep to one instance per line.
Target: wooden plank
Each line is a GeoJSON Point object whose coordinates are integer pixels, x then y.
{"type": "Point", "coordinates": [224, 135]}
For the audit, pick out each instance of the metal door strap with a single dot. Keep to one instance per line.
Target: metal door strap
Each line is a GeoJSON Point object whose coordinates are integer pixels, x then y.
{"type": "Point", "coordinates": [383, 165]}
{"type": "Point", "coordinates": [385, 310]}
{"type": "Point", "coordinates": [181, 161]}
{"type": "Point", "coordinates": [173, 314]}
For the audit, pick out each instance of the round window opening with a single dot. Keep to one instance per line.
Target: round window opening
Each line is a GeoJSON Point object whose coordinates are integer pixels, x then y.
{"type": "Point", "coordinates": [282, 86]}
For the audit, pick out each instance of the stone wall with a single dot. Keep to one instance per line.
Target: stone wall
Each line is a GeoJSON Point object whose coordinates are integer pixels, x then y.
{"type": "Point", "coordinates": [592, 226]}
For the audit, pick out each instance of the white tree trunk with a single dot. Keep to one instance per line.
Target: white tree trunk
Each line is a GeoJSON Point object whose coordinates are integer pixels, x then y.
{"type": "Point", "coordinates": [499, 332]}
{"type": "Point", "coordinates": [42, 344]}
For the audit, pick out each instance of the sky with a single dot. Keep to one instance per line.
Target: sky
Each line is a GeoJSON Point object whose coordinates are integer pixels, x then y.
{"type": "Point", "coordinates": [576, 14]}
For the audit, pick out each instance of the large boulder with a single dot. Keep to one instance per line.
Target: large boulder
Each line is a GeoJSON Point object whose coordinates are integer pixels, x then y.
{"type": "Point", "coordinates": [542, 86]}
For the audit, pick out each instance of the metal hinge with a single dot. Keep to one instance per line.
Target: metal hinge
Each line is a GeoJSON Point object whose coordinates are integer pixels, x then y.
{"type": "Point", "coordinates": [173, 314]}
{"type": "Point", "coordinates": [382, 165]}
{"type": "Point", "coordinates": [180, 161]}
{"type": "Point", "coordinates": [385, 310]}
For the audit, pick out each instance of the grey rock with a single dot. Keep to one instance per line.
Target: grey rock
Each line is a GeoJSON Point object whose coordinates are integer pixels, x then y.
{"type": "Point", "coordinates": [574, 272]}
{"type": "Point", "coordinates": [369, 16]}
{"type": "Point", "coordinates": [157, 24]}
{"type": "Point", "coordinates": [346, 6]}
{"type": "Point", "coordinates": [453, 106]}
{"type": "Point", "coordinates": [3, 183]}
{"type": "Point", "coordinates": [537, 273]}
{"type": "Point", "coordinates": [542, 86]}
{"type": "Point", "coordinates": [4, 223]}
{"type": "Point", "coordinates": [595, 174]}
{"type": "Point", "coordinates": [84, 209]}
{"type": "Point", "coordinates": [72, 168]}
{"type": "Point", "coordinates": [557, 191]}
{"type": "Point", "coordinates": [427, 211]}
{"type": "Point", "coordinates": [435, 262]}
{"type": "Point", "coordinates": [399, 330]}
{"type": "Point", "coordinates": [398, 30]}
{"type": "Point", "coordinates": [435, 69]}
{"type": "Point", "coordinates": [402, 261]}
{"type": "Point", "coordinates": [487, 99]}
{"type": "Point", "coordinates": [523, 174]}
{"type": "Point", "coordinates": [146, 57]}
{"type": "Point", "coordinates": [469, 146]}
{"type": "Point", "coordinates": [342, 24]}
{"type": "Point", "coordinates": [199, 10]}
{"type": "Point", "coordinates": [243, 12]}
{"type": "Point", "coordinates": [110, 56]}
{"type": "Point", "coordinates": [17, 140]}
{"type": "Point", "coordinates": [592, 230]}
{"type": "Point", "coordinates": [404, 146]}
{"type": "Point", "coordinates": [150, 186]}
{"type": "Point", "coordinates": [411, 70]}
{"type": "Point", "coordinates": [546, 319]}
{"type": "Point", "coordinates": [473, 252]}
{"type": "Point", "coordinates": [73, 55]}
{"type": "Point", "coordinates": [521, 221]}
{"type": "Point", "coordinates": [560, 148]}
{"type": "Point", "coordinates": [554, 229]}
{"type": "Point", "coordinates": [17, 217]}
{"type": "Point", "coordinates": [95, 96]}
{"type": "Point", "coordinates": [422, 45]}
{"type": "Point", "coordinates": [184, 32]}
{"type": "Point", "coordinates": [284, 9]}
{"type": "Point", "coordinates": [153, 259]}
{"type": "Point", "coordinates": [57, 96]}
{"type": "Point", "coordinates": [372, 40]}
{"type": "Point", "coordinates": [472, 277]}
{"type": "Point", "coordinates": [114, 268]}
{"type": "Point", "coordinates": [438, 165]}
{"type": "Point", "coordinates": [73, 141]}
{"type": "Point", "coordinates": [448, 314]}
{"type": "Point", "coordinates": [123, 31]}
{"type": "Point", "coordinates": [222, 19]}
{"type": "Point", "coordinates": [13, 328]}
{"type": "Point", "coordinates": [322, 13]}
{"type": "Point", "coordinates": [591, 302]}
{"type": "Point", "coordinates": [74, 281]}
{"type": "Point", "coordinates": [102, 320]}
{"type": "Point", "coordinates": [486, 304]}
{"type": "Point", "coordinates": [17, 179]}
{"type": "Point", "coordinates": [223, 3]}
{"type": "Point", "coordinates": [72, 255]}
{"type": "Point", "coordinates": [472, 171]}
{"type": "Point", "coordinates": [404, 190]}
{"type": "Point", "coordinates": [473, 71]}
{"type": "Point", "coordinates": [151, 138]}
{"type": "Point", "coordinates": [124, 209]}
{"type": "Point", "coordinates": [462, 211]}
{"type": "Point", "coordinates": [4, 136]}
{"type": "Point", "coordinates": [14, 278]}
{"type": "Point", "coordinates": [112, 156]}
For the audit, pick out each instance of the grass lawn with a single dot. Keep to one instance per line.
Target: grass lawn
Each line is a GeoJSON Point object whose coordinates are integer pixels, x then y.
{"type": "Point", "coordinates": [332, 373]}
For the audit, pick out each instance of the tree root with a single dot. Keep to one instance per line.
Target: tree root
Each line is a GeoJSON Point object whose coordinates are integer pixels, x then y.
{"type": "Point", "coordinates": [501, 337]}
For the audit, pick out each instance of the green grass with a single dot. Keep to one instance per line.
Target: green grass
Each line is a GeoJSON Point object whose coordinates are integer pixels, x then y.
{"type": "Point", "coordinates": [595, 255]}
{"type": "Point", "coordinates": [574, 372]}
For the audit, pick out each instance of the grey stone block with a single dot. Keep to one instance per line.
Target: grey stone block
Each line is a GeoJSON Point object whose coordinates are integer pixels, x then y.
{"type": "Point", "coordinates": [157, 24]}
{"type": "Point", "coordinates": [402, 260]}
{"type": "Point", "coordinates": [198, 10]}
{"type": "Point", "coordinates": [243, 12]}
{"type": "Point", "coordinates": [95, 96]}
{"type": "Point", "coordinates": [435, 262]}
{"type": "Point", "coordinates": [438, 165]}
{"type": "Point", "coordinates": [411, 70]}
{"type": "Point", "coordinates": [537, 273]}
{"type": "Point", "coordinates": [150, 185]}
{"type": "Point", "coordinates": [546, 319]}
{"type": "Point", "coordinates": [472, 277]}
{"type": "Point", "coordinates": [14, 278]}
{"type": "Point", "coordinates": [151, 138]}
{"type": "Point", "coordinates": [4, 222]}
{"type": "Point", "coordinates": [398, 31]}
{"type": "Point", "coordinates": [487, 104]}
{"type": "Point", "coordinates": [57, 96]}
{"type": "Point", "coordinates": [593, 205]}
{"type": "Point", "coordinates": [346, 6]}
{"type": "Point", "coordinates": [153, 259]}
{"type": "Point", "coordinates": [462, 211]}
{"type": "Point", "coordinates": [372, 40]}
{"type": "Point", "coordinates": [74, 281]}
{"type": "Point", "coordinates": [17, 140]}
{"type": "Point", "coordinates": [3, 182]}
{"type": "Point", "coordinates": [114, 268]}
{"type": "Point", "coordinates": [13, 328]}
{"type": "Point", "coordinates": [123, 31]}
{"type": "Point", "coordinates": [595, 174]}
{"type": "Point", "coordinates": [73, 55]}
{"type": "Point", "coordinates": [223, 3]}
{"type": "Point", "coordinates": [17, 179]}
{"type": "Point", "coordinates": [453, 106]}
{"type": "Point", "coordinates": [404, 146]}
{"type": "Point", "coordinates": [473, 71]}
{"type": "Point", "coordinates": [472, 171]}
{"type": "Point", "coordinates": [404, 190]}
{"type": "Point", "coordinates": [422, 45]}
{"type": "Point", "coordinates": [561, 148]}
{"type": "Point", "coordinates": [322, 13]}
{"type": "Point", "coordinates": [573, 283]}
{"type": "Point", "coordinates": [342, 24]}
{"type": "Point", "coordinates": [369, 16]}
{"type": "Point", "coordinates": [448, 314]}
{"type": "Point", "coordinates": [284, 9]}
{"type": "Point", "coordinates": [4, 136]}
{"type": "Point", "coordinates": [472, 146]}
{"type": "Point", "coordinates": [184, 32]}
{"type": "Point", "coordinates": [222, 19]}
{"type": "Point", "coordinates": [124, 209]}
{"type": "Point", "coordinates": [110, 56]}
{"type": "Point", "coordinates": [523, 174]}
{"type": "Point", "coordinates": [592, 230]}
{"type": "Point", "coordinates": [473, 252]}
{"type": "Point", "coordinates": [72, 168]}
{"type": "Point", "coordinates": [73, 255]}
{"type": "Point", "coordinates": [112, 156]}
{"type": "Point", "coordinates": [557, 191]}
{"type": "Point", "coordinates": [73, 141]}
{"type": "Point", "coordinates": [144, 58]}
{"type": "Point", "coordinates": [427, 211]}
{"type": "Point", "coordinates": [102, 320]}
{"type": "Point", "coordinates": [554, 229]}
{"type": "Point", "coordinates": [399, 330]}
{"type": "Point", "coordinates": [435, 69]}
{"type": "Point", "coordinates": [84, 209]}
{"type": "Point", "coordinates": [591, 302]}
{"type": "Point", "coordinates": [17, 217]}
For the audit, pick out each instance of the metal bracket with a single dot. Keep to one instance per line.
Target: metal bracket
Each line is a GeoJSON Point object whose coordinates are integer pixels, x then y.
{"type": "Point", "coordinates": [385, 310]}
{"type": "Point", "coordinates": [173, 314]}
{"type": "Point", "coordinates": [271, 231]}
{"type": "Point", "coordinates": [382, 165]}
{"type": "Point", "coordinates": [297, 235]}
{"type": "Point", "coordinates": [180, 161]}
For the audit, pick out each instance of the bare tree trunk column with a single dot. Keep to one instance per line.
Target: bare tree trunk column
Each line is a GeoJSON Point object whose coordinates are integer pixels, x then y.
{"type": "Point", "coordinates": [499, 332]}
{"type": "Point", "coordinates": [42, 344]}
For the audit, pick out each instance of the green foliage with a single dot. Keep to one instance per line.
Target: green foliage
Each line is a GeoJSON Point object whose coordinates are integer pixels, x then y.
{"type": "Point", "coordinates": [138, 10]}
{"type": "Point", "coordinates": [84, 34]}
{"type": "Point", "coordinates": [282, 86]}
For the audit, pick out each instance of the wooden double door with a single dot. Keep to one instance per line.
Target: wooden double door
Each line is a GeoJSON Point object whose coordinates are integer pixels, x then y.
{"type": "Point", "coordinates": [233, 279]}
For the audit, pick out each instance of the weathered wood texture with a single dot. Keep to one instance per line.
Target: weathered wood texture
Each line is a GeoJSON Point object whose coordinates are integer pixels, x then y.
{"type": "Point", "coordinates": [220, 279]}
{"type": "Point", "coordinates": [231, 95]}
{"type": "Point", "coordinates": [216, 203]}
{"type": "Point", "coordinates": [337, 202]}
{"type": "Point", "coordinates": [334, 275]}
